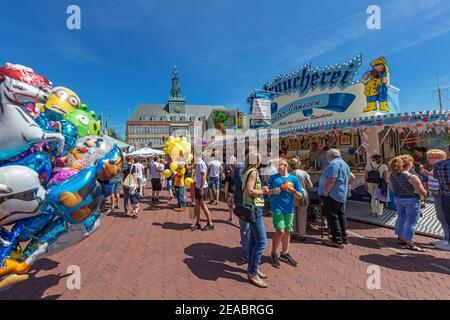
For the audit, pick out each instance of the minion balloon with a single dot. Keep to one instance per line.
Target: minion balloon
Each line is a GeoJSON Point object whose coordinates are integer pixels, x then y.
{"type": "Point", "coordinates": [61, 102]}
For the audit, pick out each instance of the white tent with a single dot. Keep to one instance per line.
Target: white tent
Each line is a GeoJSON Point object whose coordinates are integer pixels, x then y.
{"type": "Point", "coordinates": [147, 152]}
{"type": "Point", "coordinates": [120, 144]}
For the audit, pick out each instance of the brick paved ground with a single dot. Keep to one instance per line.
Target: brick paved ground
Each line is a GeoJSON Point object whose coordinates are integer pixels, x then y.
{"type": "Point", "coordinates": [158, 257]}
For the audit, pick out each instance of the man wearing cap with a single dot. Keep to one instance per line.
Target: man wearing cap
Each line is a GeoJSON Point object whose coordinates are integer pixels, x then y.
{"type": "Point", "coordinates": [334, 185]}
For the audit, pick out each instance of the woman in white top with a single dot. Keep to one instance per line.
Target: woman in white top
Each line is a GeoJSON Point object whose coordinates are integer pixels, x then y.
{"type": "Point", "coordinates": [301, 207]}
{"type": "Point", "coordinates": [375, 171]}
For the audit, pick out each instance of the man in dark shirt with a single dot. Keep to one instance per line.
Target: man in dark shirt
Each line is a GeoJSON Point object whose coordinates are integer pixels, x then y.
{"type": "Point", "coordinates": [229, 188]}
{"type": "Point", "coordinates": [442, 174]}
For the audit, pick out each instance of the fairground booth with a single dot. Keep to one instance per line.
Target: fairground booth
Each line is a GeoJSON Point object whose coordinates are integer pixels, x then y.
{"type": "Point", "coordinates": [335, 107]}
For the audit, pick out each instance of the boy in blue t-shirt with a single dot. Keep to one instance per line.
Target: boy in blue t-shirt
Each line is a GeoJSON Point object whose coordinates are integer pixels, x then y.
{"type": "Point", "coordinates": [284, 187]}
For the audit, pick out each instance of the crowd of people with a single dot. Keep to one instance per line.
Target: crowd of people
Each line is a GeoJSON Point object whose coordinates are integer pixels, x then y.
{"type": "Point", "coordinates": [282, 189]}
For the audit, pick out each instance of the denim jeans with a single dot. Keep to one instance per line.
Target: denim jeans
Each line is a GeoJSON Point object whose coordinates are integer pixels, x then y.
{"type": "Point", "coordinates": [440, 215]}
{"type": "Point", "coordinates": [408, 213]}
{"type": "Point", "coordinates": [258, 242]}
{"type": "Point", "coordinates": [445, 201]}
{"type": "Point", "coordinates": [245, 238]}
{"type": "Point", "coordinates": [180, 196]}
{"type": "Point", "coordinates": [126, 198]}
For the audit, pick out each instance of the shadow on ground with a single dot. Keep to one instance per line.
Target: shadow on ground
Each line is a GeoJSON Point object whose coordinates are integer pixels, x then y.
{"type": "Point", "coordinates": [412, 262]}
{"type": "Point", "coordinates": [34, 287]}
{"type": "Point", "coordinates": [210, 261]}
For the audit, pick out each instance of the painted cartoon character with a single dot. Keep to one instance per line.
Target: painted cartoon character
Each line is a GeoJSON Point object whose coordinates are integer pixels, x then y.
{"type": "Point", "coordinates": [18, 130]}
{"type": "Point", "coordinates": [85, 122]}
{"type": "Point", "coordinates": [61, 102]}
{"type": "Point", "coordinates": [376, 83]}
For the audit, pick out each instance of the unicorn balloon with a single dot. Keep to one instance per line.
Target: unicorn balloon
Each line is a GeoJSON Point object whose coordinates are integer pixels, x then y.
{"type": "Point", "coordinates": [18, 131]}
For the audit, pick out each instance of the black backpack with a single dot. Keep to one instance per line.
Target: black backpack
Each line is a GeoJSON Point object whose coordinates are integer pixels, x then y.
{"type": "Point", "coordinates": [374, 176]}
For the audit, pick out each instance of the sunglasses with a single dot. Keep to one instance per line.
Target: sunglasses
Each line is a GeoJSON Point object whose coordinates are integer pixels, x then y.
{"type": "Point", "coordinates": [28, 195]}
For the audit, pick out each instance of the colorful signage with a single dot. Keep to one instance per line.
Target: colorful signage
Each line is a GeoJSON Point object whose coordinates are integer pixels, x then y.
{"type": "Point", "coordinates": [307, 78]}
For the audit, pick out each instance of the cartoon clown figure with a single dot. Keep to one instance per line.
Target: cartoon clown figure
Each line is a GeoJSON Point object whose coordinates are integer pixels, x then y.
{"type": "Point", "coordinates": [376, 83]}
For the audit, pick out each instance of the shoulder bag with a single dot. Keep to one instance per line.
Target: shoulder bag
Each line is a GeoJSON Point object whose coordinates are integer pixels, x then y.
{"type": "Point", "coordinates": [241, 211]}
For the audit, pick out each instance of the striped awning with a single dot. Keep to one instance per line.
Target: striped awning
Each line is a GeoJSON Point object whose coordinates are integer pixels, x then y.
{"type": "Point", "coordinates": [395, 119]}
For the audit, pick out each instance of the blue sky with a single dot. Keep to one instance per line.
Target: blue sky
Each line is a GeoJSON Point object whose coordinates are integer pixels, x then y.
{"type": "Point", "coordinates": [126, 49]}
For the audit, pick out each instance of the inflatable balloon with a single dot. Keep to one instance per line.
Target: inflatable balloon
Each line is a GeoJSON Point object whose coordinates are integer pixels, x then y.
{"type": "Point", "coordinates": [39, 162]}
{"type": "Point", "coordinates": [87, 151]}
{"type": "Point", "coordinates": [174, 166]}
{"type": "Point", "coordinates": [63, 175]}
{"type": "Point", "coordinates": [21, 194]}
{"type": "Point", "coordinates": [70, 134]}
{"type": "Point", "coordinates": [61, 102]}
{"type": "Point", "coordinates": [166, 173]}
{"type": "Point", "coordinates": [48, 139]}
{"type": "Point", "coordinates": [19, 85]}
{"type": "Point", "coordinates": [84, 121]}
{"type": "Point", "coordinates": [188, 181]}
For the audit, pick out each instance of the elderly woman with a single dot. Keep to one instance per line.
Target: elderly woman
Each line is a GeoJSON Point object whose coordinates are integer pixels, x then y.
{"type": "Point", "coordinates": [334, 185]}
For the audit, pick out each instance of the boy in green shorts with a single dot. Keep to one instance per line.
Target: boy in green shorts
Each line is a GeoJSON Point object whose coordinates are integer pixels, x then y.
{"type": "Point", "coordinates": [285, 187]}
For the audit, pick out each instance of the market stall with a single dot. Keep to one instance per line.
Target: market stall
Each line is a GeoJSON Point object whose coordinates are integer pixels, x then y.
{"type": "Point", "coordinates": [388, 135]}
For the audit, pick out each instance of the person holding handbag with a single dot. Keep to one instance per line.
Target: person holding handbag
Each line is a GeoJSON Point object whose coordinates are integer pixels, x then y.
{"type": "Point", "coordinates": [129, 181]}
{"type": "Point", "coordinates": [252, 197]}
{"type": "Point", "coordinates": [408, 191]}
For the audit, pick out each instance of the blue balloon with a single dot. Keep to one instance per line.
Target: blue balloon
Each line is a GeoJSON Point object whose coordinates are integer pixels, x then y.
{"type": "Point", "coordinates": [66, 128]}
{"type": "Point", "coordinates": [70, 133]}
{"type": "Point", "coordinates": [115, 156]}
{"type": "Point", "coordinates": [38, 162]}
{"type": "Point", "coordinates": [78, 193]}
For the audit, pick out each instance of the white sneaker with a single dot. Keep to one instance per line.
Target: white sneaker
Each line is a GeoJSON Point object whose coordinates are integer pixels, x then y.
{"type": "Point", "coordinates": [439, 243]}
{"type": "Point", "coordinates": [445, 247]}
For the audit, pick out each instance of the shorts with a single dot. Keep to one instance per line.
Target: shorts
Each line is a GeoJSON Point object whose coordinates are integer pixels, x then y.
{"type": "Point", "coordinates": [141, 181]}
{"type": "Point", "coordinates": [214, 182]}
{"type": "Point", "coordinates": [134, 199]}
{"type": "Point", "coordinates": [116, 187]}
{"type": "Point", "coordinates": [283, 221]}
{"type": "Point", "coordinates": [169, 185]}
{"type": "Point", "coordinates": [156, 184]}
{"type": "Point", "coordinates": [198, 197]}
{"type": "Point", "coordinates": [107, 189]}
{"type": "Point", "coordinates": [230, 200]}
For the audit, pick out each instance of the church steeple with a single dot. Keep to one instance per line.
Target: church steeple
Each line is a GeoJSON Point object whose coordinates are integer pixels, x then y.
{"type": "Point", "coordinates": [175, 92]}
{"type": "Point", "coordinates": [176, 103]}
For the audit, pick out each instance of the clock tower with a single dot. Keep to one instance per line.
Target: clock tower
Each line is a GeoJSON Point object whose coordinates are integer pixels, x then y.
{"type": "Point", "coordinates": [176, 103]}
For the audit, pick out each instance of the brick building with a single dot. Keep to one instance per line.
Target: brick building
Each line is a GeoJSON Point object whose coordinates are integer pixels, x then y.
{"type": "Point", "coordinates": [152, 124]}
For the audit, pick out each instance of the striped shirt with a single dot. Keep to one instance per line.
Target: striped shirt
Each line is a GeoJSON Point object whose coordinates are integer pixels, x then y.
{"type": "Point", "coordinates": [442, 174]}
{"type": "Point", "coordinates": [433, 183]}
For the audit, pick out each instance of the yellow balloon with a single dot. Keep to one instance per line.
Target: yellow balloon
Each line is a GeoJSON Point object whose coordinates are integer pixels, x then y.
{"type": "Point", "coordinates": [166, 173]}
{"type": "Point", "coordinates": [188, 181]}
{"type": "Point", "coordinates": [175, 152]}
{"type": "Point", "coordinates": [174, 166]}
{"type": "Point", "coordinates": [171, 139]}
{"type": "Point", "coordinates": [177, 139]}
{"type": "Point", "coordinates": [190, 157]}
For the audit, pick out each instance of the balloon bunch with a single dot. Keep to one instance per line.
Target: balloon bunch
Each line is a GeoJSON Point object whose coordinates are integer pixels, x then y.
{"type": "Point", "coordinates": [179, 151]}
{"type": "Point", "coordinates": [55, 170]}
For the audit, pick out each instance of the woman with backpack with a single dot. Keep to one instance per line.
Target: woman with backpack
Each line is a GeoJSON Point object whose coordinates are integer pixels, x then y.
{"type": "Point", "coordinates": [375, 171]}
{"type": "Point", "coordinates": [408, 191]}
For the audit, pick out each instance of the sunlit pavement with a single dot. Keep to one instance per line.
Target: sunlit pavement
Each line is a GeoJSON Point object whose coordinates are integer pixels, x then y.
{"type": "Point", "coordinates": [157, 257]}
